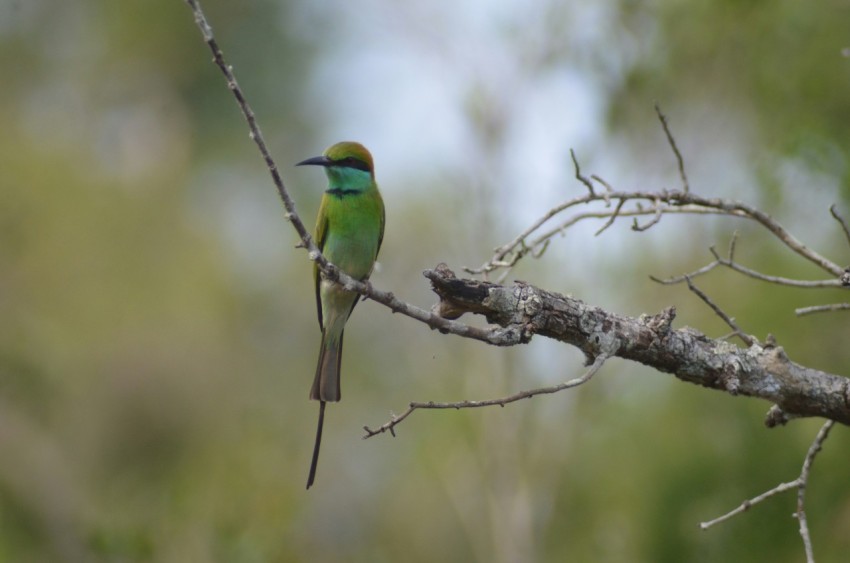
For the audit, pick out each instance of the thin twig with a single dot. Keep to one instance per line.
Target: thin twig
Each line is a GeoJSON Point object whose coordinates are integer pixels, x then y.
{"type": "Point", "coordinates": [538, 252]}
{"type": "Point", "coordinates": [816, 446]}
{"type": "Point", "coordinates": [573, 219]}
{"type": "Point", "coordinates": [611, 219]}
{"type": "Point", "coordinates": [802, 311]}
{"type": "Point", "coordinates": [732, 245]}
{"type": "Point", "coordinates": [779, 280]}
{"type": "Point", "coordinates": [732, 265]}
{"type": "Point", "coordinates": [749, 340]}
{"type": "Point", "coordinates": [679, 160]}
{"type": "Point", "coordinates": [395, 420]}
{"type": "Point", "coordinates": [656, 205]}
{"type": "Point", "coordinates": [501, 252]}
{"type": "Point", "coordinates": [583, 179]}
{"type": "Point", "coordinates": [679, 279]}
{"type": "Point", "coordinates": [744, 506]}
{"type": "Point", "coordinates": [834, 211]}
{"type": "Point", "coordinates": [604, 183]}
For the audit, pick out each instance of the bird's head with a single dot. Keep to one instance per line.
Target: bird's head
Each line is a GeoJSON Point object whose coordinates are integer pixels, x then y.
{"type": "Point", "coordinates": [342, 159]}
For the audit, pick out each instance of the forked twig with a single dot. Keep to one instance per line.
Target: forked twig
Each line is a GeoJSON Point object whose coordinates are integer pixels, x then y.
{"type": "Point", "coordinates": [729, 262]}
{"type": "Point", "coordinates": [661, 203]}
{"type": "Point", "coordinates": [800, 483]}
{"type": "Point", "coordinates": [816, 446]}
{"type": "Point", "coordinates": [395, 420]}
{"type": "Point", "coordinates": [658, 211]}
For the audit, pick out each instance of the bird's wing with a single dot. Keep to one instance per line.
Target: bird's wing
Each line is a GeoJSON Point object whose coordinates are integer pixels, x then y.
{"type": "Point", "coordinates": [320, 236]}
{"type": "Point", "coordinates": [383, 222]}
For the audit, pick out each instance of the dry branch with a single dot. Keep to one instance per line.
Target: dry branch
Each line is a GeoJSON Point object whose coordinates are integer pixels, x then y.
{"type": "Point", "coordinates": [655, 204]}
{"type": "Point", "coordinates": [395, 420]}
{"type": "Point", "coordinates": [760, 370]}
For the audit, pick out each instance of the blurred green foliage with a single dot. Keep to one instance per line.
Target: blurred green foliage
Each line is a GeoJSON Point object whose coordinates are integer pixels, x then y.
{"type": "Point", "coordinates": [158, 331]}
{"type": "Point", "coordinates": [780, 67]}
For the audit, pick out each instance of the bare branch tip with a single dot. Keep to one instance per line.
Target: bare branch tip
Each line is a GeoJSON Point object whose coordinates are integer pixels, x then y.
{"type": "Point", "coordinates": [612, 218]}
{"type": "Point", "coordinates": [583, 179]}
{"type": "Point", "coordinates": [833, 209]}
{"type": "Point", "coordinates": [683, 176]}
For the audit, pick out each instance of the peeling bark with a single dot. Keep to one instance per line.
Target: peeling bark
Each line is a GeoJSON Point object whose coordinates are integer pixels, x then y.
{"type": "Point", "coordinates": [762, 370]}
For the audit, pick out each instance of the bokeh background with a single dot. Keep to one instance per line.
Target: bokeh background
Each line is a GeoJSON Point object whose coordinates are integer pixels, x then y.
{"type": "Point", "coordinates": [157, 325]}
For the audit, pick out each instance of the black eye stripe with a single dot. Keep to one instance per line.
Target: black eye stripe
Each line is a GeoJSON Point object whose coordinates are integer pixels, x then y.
{"type": "Point", "coordinates": [351, 162]}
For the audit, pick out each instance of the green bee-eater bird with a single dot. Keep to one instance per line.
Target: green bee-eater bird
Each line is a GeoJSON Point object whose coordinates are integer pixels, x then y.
{"type": "Point", "coordinates": [349, 231]}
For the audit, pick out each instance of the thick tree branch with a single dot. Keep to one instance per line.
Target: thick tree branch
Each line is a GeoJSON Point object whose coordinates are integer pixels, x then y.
{"type": "Point", "coordinates": [762, 371]}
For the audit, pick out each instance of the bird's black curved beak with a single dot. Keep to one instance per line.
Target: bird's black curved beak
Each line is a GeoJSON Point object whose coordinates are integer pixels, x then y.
{"type": "Point", "coordinates": [316, 161]}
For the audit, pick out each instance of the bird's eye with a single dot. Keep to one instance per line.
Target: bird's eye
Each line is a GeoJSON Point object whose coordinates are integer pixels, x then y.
{"type": "Point", "coordinates": [352, 162]}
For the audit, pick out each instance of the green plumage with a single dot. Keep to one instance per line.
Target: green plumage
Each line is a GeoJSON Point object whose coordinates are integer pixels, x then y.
{"type": "Point", "coordinates": [349, 231]}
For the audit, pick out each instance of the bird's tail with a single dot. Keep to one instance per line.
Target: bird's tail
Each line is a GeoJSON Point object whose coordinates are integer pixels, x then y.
{"type": "Point", "coordinates": [317, 445]}
{"type": "Point", "coordinates": [325, 388]}
{"type": "Point", "coordinates": [326, 383]}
